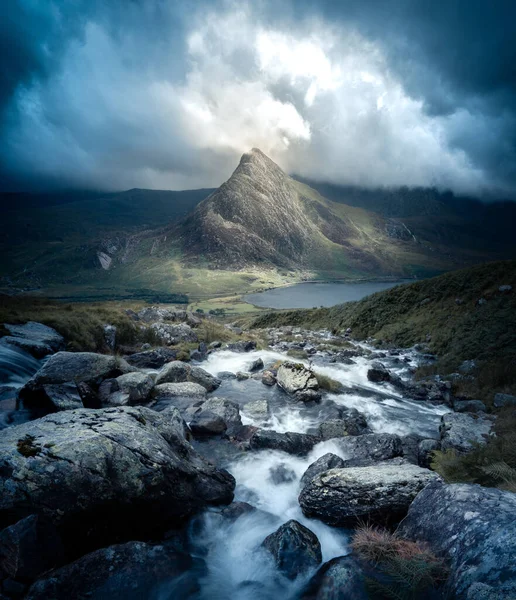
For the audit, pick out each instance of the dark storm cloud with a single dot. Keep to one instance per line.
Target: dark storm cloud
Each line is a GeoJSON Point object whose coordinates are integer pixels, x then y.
{"type": "Point", "coordinates": [167, 94]}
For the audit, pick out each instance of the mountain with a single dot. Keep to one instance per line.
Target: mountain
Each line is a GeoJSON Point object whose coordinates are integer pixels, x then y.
{"type": "Point", "coordinates": [260, 228]}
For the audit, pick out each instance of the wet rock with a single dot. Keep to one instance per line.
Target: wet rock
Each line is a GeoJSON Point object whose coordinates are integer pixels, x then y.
{"type": "Point", "coordinates": [426, 451]}
{"type": "Point", "coordinates": [501, 400]}
{"type": "Point", "coordinates": [151, 359]}
{"type": "Point", "coordinates": [241, 376]}
{"type": "Point", "coordinates": [35, 338]}
{"type": "Point", "coordinates": [281, 474]}
{"type": "Point", "coordinates": [207, 422]}
{"type": "Point", "coordinates": [258, 410]}
{"type": "Point", "coordinates": [137, 387]}
{"type": "Point", "coordinates": [28, 548]}
{"type": "Point", "coordinates": [268, 378]}
{"type": "Point", "coordinates": [324, 463]}
{"type": "Point", "coordinates": [352, 423]}
{"type": "Point", "coordinates": [186, 389]}
{"type": "Point", "coordinates": [299, 444]}
{"type": "Point", "coordinates": [378, 373]}
{"type": "Point", "coordinates": [370, 448]}
{"type": "Point", "coordinates": [472, 527]}
{"type": "Point", "coordinates": [123, 572]}
{"type": "Point", "coordinates": [226, 375]}
{"type": "Point", "coordinates": [298, 381]}
{"type": "Point", "coordinates": [380, 493]}
{"type": "Point", "coordinates": [106, 471]}
{"type": "Point", "coordinates": [339, 579]}
{"type": "Point", "coordinates": [202, 377]}
{"type": "Point", "coordinates": [295, 549]}
{"type": "Point", "coordinates": [215, 345]}
{"type": "Point", "coordinates": [242, 346]}
{"type": "Point", "coordinates": [256, 365]}
{"type": "Point", "coordinates": [228, 410]}
{"type": "Point", "coordinates": [62, 396]}
{"type": "Point", "coordinates": [174, 334]}
{"type": "Point", "coordinates": [307, 396]}
{"type": "Point", "coordinates": [461, 431]}
{"type": "Point", "coordinates": [473, 406]}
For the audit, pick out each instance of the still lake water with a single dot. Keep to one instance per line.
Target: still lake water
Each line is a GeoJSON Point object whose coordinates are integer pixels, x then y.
{"type": "Point", "coordinates": [309, 295]}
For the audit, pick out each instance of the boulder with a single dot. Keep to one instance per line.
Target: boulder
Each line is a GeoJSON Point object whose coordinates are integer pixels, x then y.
{"type": "Point", "coordinates": [473, 406]}
{"type": "Point", "coordinates": [378, 373]}
{"type": "Point", "coordinates": [175, 390]}
{"type": "Point", "coordinates": [62, 396]}
{"type": "Point", "coordinates": [202, 377]}
{"type": "Point", "coordinates": [324, 463]}
{"type": "Point", "coordinates": [242, 346]}
{"type": "Point", "coordinates": [294, 548]}
{"type": "Point", "coordinates": [268, 378]}
{"type": "Point", "coordinates": [136, 386]}
{"type": "Point", "coordinates": [206, 423]}
{"type": "Point", "coordinates": [151, 359]}
{"type": "Point", "coordinates": [299, 444]}
{"type": "Point", "coordinates": [426, 451]}
{"type": "Point", "coordinates": [298, 381]}
{"type": "Point", "coordinates": [173, 372]}
{"type": "Point", "coordinates": [226, 375]}
{"type": "Point", "coordinates": [256, 365]}
{"type": "Point", "coordinates": [462, 431]}
{"type": "Point", "coordinates": [370, 448]}
{"type": "Point", "coordinates": [242, 376]}
{"type": "Point", "coordinates": [169, 334]}
{"type": "Point", "coordinates": [28, 548]}
{"type": "Point", "coordinates": [473, 528]}
{"type": "Point", "coordinates": [228, 410]}
{"type": "Point", "coordinates": [130, 571]}
{"type": "Point", "coordinates": [193, 320]}
{"type": "Point", "coordinates": [341, 578]}
{"type": "Point", "coordinates": [353, 423]}
{"type": "Point", "coordinates": [258, 410]}
{"type": "Point", "coordinates": [35, 338]}
{"type": "Point", "coordinates": [125, 469]}
{"type": "Point", "coordinates": [380, 493]}
{"type": "Point", "coordinates": [501, 400]}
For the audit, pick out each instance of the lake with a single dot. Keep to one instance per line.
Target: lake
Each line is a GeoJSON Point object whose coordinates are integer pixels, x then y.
{"type": "Point", "coordinates": [310, 295]}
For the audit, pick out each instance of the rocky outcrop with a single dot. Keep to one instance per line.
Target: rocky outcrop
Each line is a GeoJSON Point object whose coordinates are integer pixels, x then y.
{"type": "Point", "coordinates": [179, 372]}
{"type": "Point", "coordinates": [99, 470]}
{"type": "Point", "coordinates": [339, 579]}
{"type": "Point", "coordinates": [169, 334]}
{"type": "Point", "coordinates": [324, 463]}
{"type": "Point", "coordinates": [151, 359]}
{"type": "Point", "coordinates": [298, 381]}
{"type": "Point", "coordinates": [380, 493]}
{"type": "Point", "coordinates": [128, 571]}
{"type": "Point", "coordinates": [299, 444]}
{"type": "Point", "coordinates": [462, 431]}
{"type": "Point", "coordinates": [474, 529]}
{"type": "Point", "coordinates": [36, 339]}
{"type": "Point", "coordinates": [370, 448]}
{"type": "Point", "coordinates": [295, 549]}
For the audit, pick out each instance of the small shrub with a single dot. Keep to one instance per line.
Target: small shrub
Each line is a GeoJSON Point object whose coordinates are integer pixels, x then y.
{"type": "Point", "coordinates": [406, 569]}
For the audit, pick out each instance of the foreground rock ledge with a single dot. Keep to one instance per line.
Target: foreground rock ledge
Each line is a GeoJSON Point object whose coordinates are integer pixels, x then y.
{"type": "Point", "coordinates": [379, 493]}
{"type": "Point", "coordinates": [474, 528]}
{"type": "Point", "coordinates": [116, 467]}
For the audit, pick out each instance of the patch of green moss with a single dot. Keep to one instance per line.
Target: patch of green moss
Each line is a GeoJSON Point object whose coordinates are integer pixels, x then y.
{"type": "Point", "coordinates": [26, 446]}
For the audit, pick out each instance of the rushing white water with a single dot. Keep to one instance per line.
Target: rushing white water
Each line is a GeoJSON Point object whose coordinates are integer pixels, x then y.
{"type": "Point", "coordinates": [269, 480]}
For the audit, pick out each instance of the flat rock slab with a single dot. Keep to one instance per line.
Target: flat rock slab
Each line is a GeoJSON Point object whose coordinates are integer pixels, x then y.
{"type": "Point", "coordinates": [474, 528]}
{"type": "Point", "coordinates": [379, 493]}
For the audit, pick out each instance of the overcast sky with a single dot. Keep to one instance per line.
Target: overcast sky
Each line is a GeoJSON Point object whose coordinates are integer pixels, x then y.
{"type": "Point", "coordinates": [114, 94]}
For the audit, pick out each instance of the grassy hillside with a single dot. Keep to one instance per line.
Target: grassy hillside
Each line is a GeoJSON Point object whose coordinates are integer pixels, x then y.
{"type": "Point", "coordinates": [443, 311]}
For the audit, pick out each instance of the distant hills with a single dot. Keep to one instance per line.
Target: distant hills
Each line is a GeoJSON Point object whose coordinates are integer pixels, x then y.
{"type": "Point", "coordinates": [259, 228]}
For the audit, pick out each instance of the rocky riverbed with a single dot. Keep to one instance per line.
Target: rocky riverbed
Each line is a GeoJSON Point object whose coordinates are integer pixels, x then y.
{"type": "Point", "coordinates": [240, 473]}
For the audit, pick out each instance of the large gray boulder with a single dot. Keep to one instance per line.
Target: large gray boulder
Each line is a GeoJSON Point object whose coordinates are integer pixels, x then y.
{"type": "Point", "coordinates": [324, 463]}
{"type": "Point", "coordinates": [258, 410]}
{"type": "Point", "coordinates": [136, 387]}
{"type": "Point", "coordinates": [341, 578]}
{"type": "Point", "coordinates": [462, 431]}
{"type": "Point", "coordinates": [294, 548]}
{"type": "Point", "coordinates": [179, 372]}
{"type": "Point", "coordinates": [179, 390]}
{"type": "Point", "coordinates": [202, 377]}
{"type": "Point", "coordinates": [370, 448]}
{"type": "Point", "coordinates": [380, 493]}
{"type": "Point", "coordinates": [299, 444]}
{"type": "Point", "coordinates": [130, 571]}
{"type": "Point", "coordinates": [62, 396]}
{"type": "Point", "coordinates": [298, 381]}
{"type": "Point", "coordinates": [227, 410]}
{"type": "Point", "coordinates": [151, 359]}
{"type": "Point", "coordinates": [128, 467]}
{"type": "Point", "coordinates": [174, 334]}
{"type": "Point", "coordinates": [474, 528]}
{"type": "Point", "coordinates": [35, 338]}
